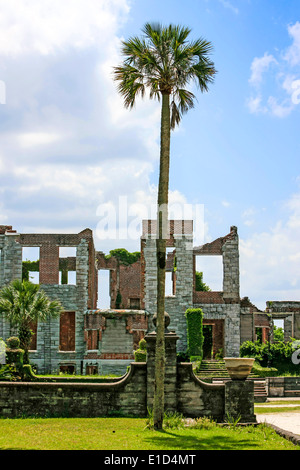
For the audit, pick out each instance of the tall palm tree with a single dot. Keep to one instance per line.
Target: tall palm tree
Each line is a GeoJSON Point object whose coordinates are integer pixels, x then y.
{"type": "Point", "coordinates": [163, 62]}
{"type": "Point", "coordinates": [23, 303]}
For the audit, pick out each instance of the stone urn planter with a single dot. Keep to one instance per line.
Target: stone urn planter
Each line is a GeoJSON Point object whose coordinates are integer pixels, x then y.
{"type": "Point", "coordinates": [239, 367]}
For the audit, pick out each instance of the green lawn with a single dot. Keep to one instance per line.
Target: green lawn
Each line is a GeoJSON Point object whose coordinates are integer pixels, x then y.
{"type": "Point", "coordinates": [278, 406]}
{"type": "Point", "coordinates": [130, 434]}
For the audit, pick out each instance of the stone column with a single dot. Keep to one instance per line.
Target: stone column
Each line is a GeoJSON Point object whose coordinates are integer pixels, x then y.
{"type": "Point", "coordinates": [170, 370]}
{"type": "Point", "coordinates": [239, 401]}
{"type": "Point", "coordinates": [231, 274]}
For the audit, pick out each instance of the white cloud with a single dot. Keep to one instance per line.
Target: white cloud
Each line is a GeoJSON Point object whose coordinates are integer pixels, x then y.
{"type": "Point", "coordinates": [269, 261]}
{"type": "Point", "coordinates": [230, 6]}
{"type": "Point", "coordinates": [249, 216]}
{"type": "Point", "coordinates": [254, 105]}
{"type": "Point", "coordinates": [33, 139]}
{"type": "Point", "coordinates": [259, 66]}
{"type": "Point", "coordinates": [52, 25]}
{"type": "Point", "coordinates": [293, 53]}
{"type": "Point", "coordinates": [70, 146]}
{"type": "Point", "coordinates": [279, 110]}
{"type": "Point", "coordinates": [287, 84]}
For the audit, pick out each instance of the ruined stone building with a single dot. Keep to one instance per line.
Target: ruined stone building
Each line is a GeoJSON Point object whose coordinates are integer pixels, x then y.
{"type": "Point", "coordinates": [87, 340]}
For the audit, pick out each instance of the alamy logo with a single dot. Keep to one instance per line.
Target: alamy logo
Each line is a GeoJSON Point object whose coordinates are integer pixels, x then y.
{"type": "Point", "coordinates": [122, 221]}
{"type": "Point", "coordinates": [296, 93]}
{"type": "Point", "coordinates": [296, 353]}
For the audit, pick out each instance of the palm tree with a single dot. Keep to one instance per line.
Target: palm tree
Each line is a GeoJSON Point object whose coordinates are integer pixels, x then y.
{"type": "Point", "coordinates": [163, 62]}
{"type": "Point", "coordinates": [23, 303]}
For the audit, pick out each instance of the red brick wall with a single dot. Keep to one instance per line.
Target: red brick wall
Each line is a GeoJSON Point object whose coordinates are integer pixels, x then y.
{"type": "Point", "coordinates": [209, 297]}
{"type": "Point", "coordinates": [130, 283]}
{"type": "Point", "coordinates": [67, 331]}
{"type": "Point", "coordinates": [49, 264]}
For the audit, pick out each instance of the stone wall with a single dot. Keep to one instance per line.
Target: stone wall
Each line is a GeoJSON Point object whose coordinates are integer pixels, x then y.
{"type": "Point", "coordinates": [128, 396]}
{"type": "Point", "coordinates": [289, 312]}
{"type": "Point", "coordinates": [74, 298]}
{"type": "Point", "coordinates": [230, 315]}
{"type": "Point", "coordinates": [133, 393]}
{"type": "Point", "coordinates": [223, 307]}
{"type": "Point", "coordinates": [181, 239]}
{"type": "Point", "coordinates": [197, 398]}
{"type": "Point", "coordinates": [111, 338]}
{"type": "Point", "coordinates": [283, 386]}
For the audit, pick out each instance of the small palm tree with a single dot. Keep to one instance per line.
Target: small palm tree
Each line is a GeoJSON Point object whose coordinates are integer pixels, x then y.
{"type": "Point", "coordinates": [23, 303]}
{"type": "Point", "coordinates": [163, 62]}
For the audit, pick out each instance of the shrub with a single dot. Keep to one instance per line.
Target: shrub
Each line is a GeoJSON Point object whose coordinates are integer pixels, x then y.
{"type": "Point", "coordinates": [9, 373]}
{"type": "Point", "coordinates": [183, 356]}
{"type": "Point", "coordinates": [250, 349]}
{"type": "Point", "coordinates": [14, 355]}
{"type": "Point", "coordinates": [203, 423]}
{"type": "Point", "coordinates": [13, 342]}
{"type": "Point", "coordinates": [140, 355]}
{"type": "Point", "coordinates": [172, 420]}
{"type": "Point", "coordinates": [274, 355]}
{"type": "Point", "coordinates": [195, 338]}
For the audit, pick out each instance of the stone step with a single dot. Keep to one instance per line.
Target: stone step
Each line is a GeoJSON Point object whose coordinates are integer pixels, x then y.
{"type": "Point", "coordinates": [216, 372]}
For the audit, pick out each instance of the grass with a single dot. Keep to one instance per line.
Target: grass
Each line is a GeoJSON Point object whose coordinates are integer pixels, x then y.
{"type": "Point", "coordinates": [278, 406]}
{"type": "Point", "coordinates": [132, 434]}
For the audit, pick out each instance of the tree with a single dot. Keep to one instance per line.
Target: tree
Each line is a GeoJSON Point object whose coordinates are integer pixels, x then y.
{"type": "Point", "coordinates": [163, 62]}
{"type": "Point", "coordinates": [199, 284]}
{"type": "Point", "coordinates": [24, 303]}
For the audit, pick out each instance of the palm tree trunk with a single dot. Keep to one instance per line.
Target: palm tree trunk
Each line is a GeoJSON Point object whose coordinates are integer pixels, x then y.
{"type": "Point", "coordinates": [162, 224]}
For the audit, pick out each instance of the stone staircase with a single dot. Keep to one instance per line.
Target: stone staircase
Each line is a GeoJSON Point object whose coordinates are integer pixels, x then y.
{"type": "Point", "coordinates": [213, 371]}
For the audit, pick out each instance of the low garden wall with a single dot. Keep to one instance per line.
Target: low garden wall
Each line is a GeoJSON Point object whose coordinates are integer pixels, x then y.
{"type": "Point", "coordinates": [283, 386]}
{"type": "Point", "coordinates": [127, 396]}
{"type": "Point", "coordinates": [133, 393]}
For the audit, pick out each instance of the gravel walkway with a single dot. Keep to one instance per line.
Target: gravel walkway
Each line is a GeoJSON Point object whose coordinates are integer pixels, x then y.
{"type": "Point", "coordinates": [285, 423]}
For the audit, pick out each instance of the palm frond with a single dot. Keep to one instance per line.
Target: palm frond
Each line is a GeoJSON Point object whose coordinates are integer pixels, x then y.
{"type": "Point", "coordinates": [164, 61]}
{"type": "Point", "coordinates": [23, 302]}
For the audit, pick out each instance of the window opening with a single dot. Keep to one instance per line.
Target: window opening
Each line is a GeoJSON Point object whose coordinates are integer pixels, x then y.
{"type": "Point", "coordinates": [67, 265]}
{"type": "Point", "coordinates": [103, 289]}
{"type": "Point", "coordinates": [278, 330]}
{"type": "Point", "coordinates": [212, 269]}
{"type": "Point", "coordinates": [170, 271]}
{"type": "Point", "coordinates": [30, 264]}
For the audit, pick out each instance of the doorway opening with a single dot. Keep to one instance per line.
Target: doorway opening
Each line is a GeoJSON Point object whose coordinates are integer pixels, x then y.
{"type": "Point", "coordinates": [208, 341]}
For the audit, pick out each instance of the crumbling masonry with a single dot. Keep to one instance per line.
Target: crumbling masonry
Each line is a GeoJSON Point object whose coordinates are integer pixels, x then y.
{"type": "Point", "coordinates": [89, 340]}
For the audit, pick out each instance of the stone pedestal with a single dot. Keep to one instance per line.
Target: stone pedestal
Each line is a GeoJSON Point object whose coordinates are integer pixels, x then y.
{"type": "Point", "coordinates": [239, 401]}
{"type": "Point", "coordinates": [170, 370]}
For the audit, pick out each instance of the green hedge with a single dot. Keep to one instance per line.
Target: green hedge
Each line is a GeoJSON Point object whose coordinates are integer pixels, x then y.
{"type": "Point", "coordinates": [195, 338]}
{"type": "Point", "coordinates": [278, 355]}
{"type": "Point", "coordinates": [140, 355]}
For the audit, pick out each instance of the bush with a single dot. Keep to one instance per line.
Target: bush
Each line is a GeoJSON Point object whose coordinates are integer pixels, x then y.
{"type": "Point", "coordinates": [203, 423]}
{"type": "Point", "coordinates": [140, 355]}
{"type": "Point", "coordinates": [13, 342]}
{"type": "Point", "coordinates": [183, 356]}
{"type": "Point", "coordinates": [9, 373]}
{"type": "Point", "coordinates": [275, 355]}
{"type": "Point", "coordinates": [172, 420]}
{"type": "Point", "coordinates": [195, 337]}
{"type": "Point", "coordinates": [14, 355]}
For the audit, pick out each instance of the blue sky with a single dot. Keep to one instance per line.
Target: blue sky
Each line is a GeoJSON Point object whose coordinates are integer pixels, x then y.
{"type": "Point", "coordinates": [69, 150]}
